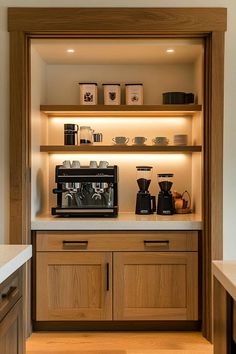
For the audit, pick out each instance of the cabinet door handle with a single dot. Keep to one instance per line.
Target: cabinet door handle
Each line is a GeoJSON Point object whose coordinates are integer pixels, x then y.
{"type": "Point", "coordinates": [107, 277]}
{"type": "Point", "coordinates": [75, 244]}
{"type": "Point", "coordinates": [156, 243]}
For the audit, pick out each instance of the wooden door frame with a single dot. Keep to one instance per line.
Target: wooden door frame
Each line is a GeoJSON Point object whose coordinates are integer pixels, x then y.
{"type": "Point", "coordinates": [210, 23]}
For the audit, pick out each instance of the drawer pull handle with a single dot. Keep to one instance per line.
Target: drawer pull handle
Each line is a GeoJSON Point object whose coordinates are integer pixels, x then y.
{"type": "Point", "coordinates": [9, 297]}
{"type": "Point", "coordinates": [75, 244]}
{"type": "Point", "coordinates": [108, 276]}
{"type": "Point", "coordinates": [156, 243]}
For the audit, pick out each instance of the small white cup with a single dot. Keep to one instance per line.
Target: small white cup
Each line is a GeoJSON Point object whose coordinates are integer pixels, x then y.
{"type": "Point", "coordinates": [75, 164]}
{"type": "Point", "coordinates": [160, 140]}
{"type": "Point", "coordinates": [66, 164]}
{"type": "Point", "coordinates": [139, 140]}
{"type": "Point", "coordinates": [103, 164]}
{"type": "Point", "coordinates": [93, 164]}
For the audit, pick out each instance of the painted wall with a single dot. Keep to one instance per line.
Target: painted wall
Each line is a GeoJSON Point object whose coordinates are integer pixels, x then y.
{"type": "Point", "coordinates": [230, 102]}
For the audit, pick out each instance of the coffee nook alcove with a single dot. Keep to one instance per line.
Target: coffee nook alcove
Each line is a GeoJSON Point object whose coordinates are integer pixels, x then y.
{"type": "Point", "coordinates": [94, 267]}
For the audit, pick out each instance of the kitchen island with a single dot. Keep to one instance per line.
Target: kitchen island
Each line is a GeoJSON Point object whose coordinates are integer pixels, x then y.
{"type": "Point", "coordinates": [12, 259]}
{"type": "Point", "coordinates": [224, 307]}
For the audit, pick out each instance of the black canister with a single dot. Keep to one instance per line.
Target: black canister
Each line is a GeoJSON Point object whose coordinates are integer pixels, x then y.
{"type": "Point", "coordinates": [70, 134]}
{"type": "Point", "coordinates": [177, 98]}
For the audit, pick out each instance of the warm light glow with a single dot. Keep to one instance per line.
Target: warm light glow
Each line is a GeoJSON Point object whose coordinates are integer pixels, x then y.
{"type": "Point", "coordinates": [126, 122]}
{"type": "Point", "coordinates": [70, 50]}
{"type": "Point", "coordinates": [112, 158]}
{"type": "Point", "coordinates": [170, 50]}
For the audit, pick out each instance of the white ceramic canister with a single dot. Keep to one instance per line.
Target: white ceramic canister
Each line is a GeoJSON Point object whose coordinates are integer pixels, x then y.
{"type": "Point", "coordinates": [111, 94]}
{"type": "Point", "coordinates": [88, 93]}
{"type": "Point", "coordinates": [134, 94]}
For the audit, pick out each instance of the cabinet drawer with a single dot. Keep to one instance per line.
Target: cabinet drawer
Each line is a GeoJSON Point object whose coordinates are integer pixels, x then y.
{"type": "Point", "coordinates": [117, 241]}
{"type": "Point", "coordinates": [10, 292]}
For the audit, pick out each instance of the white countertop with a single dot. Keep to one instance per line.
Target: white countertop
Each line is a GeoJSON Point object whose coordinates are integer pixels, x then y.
{"type": "Point", "coordinates": [12, 257]}
{"type": "Point", "coordinates": [124, 221]}
{"type": "Point", "coordinates": [225, 273]}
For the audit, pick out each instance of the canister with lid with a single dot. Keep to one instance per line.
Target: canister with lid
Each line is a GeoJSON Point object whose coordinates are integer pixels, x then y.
{"type": "Point", "coordinates": [88, 93]}
{"type": "Point", "coordinates": [111, 94]}
{"type": "Point", "coordinates": [134, 94]}
{"type": "Point", "coordinates": [70, 134]}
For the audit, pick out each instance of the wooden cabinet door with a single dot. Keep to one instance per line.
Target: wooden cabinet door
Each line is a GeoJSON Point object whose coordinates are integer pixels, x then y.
{"type": "Point", "coordinates": [155, 286]}
{"type": "Point", "coordinates": [73, 286]}
{"type": "Point", "coordinates": [11, 331]}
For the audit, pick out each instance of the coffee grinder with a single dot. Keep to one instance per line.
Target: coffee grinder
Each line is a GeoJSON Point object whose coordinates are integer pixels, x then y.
{"type": "Point", "coordinates": [165, 205]}
{"type": "Point", "coordinates": [145, 203]}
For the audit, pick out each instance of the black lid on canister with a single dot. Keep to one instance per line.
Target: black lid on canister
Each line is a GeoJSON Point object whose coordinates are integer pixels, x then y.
{"type": "Point", "coordinates": [144, 168]}
{"type": "Point", "coordinates": [165, 174]}
{"type": "Point", "coordinates": [70, 126]}
{"type": "Point", "coordinates": [88, 83]}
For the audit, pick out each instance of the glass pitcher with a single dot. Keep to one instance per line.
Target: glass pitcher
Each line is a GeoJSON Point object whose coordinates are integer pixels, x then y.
{"type": "Point", "coordinates": [86, 135]}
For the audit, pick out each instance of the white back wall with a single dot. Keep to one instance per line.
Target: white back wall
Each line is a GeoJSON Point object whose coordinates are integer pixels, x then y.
{"type": "Point", "coordinates": [230, 102]}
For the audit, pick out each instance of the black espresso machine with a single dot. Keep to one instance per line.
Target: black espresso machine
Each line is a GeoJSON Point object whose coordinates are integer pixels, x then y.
{"type": "Point", "coordinates": [86, 191]}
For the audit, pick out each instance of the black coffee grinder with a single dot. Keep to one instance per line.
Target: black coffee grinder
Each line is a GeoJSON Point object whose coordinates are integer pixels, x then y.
{"type": "Point", "coordinates": [165, 205]}
{"type": "Point", "coordinates": [145, 203]}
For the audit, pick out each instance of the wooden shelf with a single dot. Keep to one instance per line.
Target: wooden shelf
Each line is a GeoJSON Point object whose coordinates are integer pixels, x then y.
{"type": "Point", "coordinates": [120, 111]}
{"type": "Point", "coordinates": [51, 149]}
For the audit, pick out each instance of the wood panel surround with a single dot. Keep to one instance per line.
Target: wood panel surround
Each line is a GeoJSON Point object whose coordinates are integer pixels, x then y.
{"type": "Point", "coordinates": [207, 23]}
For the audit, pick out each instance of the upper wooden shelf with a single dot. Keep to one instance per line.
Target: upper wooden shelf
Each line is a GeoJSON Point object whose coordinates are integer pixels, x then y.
{"type": "Point", "coordinates": [120, 111]}
{"type": "Point", "coordinates": [60, 149]}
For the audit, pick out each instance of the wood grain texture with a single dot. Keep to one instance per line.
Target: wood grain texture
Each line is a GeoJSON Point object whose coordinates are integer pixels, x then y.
{"type": "Point", "coordinates": [213, 169]}
{"type": "Point", "coordinates": [186, 110]}
{"type": "Point", "coordinates": [118, 343]}
{"type": "Point", "coordinates": [118, 148]}
{"type": "Point", "coordinates": [11, 331]}
{"type": "Point", "coordinates": [157, 286]}
{"type": "Point", "coordinates": [118, 241]}
{"type": "Point", "coordinates": [74, 286]}
{"type": "Point", "coordinates": [19, 144]}
{"type": "Point", "coordinates": [220, 319]}
{"type": "Point", "coordinates": [109, 20]}
{"type": "Point", "coordinates": [217, 111]}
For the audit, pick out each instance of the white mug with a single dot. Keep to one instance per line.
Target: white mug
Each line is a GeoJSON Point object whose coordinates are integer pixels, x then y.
{"type": "Point", "coordinates": [160, 140]}
{"type": "Point", "coordinates": [75, 164]}
{"type": "Point", "coordinates": [93, 164]}
{"type": "Point", "coordinates": [139, 140]}
{"type": "Point", "coordinates": [103, 164]}
{"type": "Point", "coordinates": [66, 164]}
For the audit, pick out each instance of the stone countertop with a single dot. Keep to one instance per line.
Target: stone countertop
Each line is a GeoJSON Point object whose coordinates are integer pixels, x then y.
{"type": "Point", "coordinates": [124, 221]}
{"type": "Point", "coordinates": [225, 273]}
{"type": "Point", "coordinates": [12, 257]}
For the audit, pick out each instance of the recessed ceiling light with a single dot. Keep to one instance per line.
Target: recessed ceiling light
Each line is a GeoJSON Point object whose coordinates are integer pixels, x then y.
{"type": "Point", "coordinates": [70, 50]}
{"type": "Point", "coordinates": [170, 51]}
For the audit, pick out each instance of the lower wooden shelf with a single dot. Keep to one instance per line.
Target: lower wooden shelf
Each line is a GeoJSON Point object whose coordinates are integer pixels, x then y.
{"type": "Point", "coordinates": [51, 149]}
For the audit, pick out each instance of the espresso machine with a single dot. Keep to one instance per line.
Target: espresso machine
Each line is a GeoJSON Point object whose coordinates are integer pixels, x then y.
{"type": "Point", "coordinates": [85, 191]}
{"type": "Point", "coordinates": [145, 203]}
{"type": "Point", "coordinates": [165, 204]}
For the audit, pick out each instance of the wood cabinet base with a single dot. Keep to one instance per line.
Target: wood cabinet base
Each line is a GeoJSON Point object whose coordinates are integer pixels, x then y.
{"type": "Point", "coordinates": [117, 325]}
